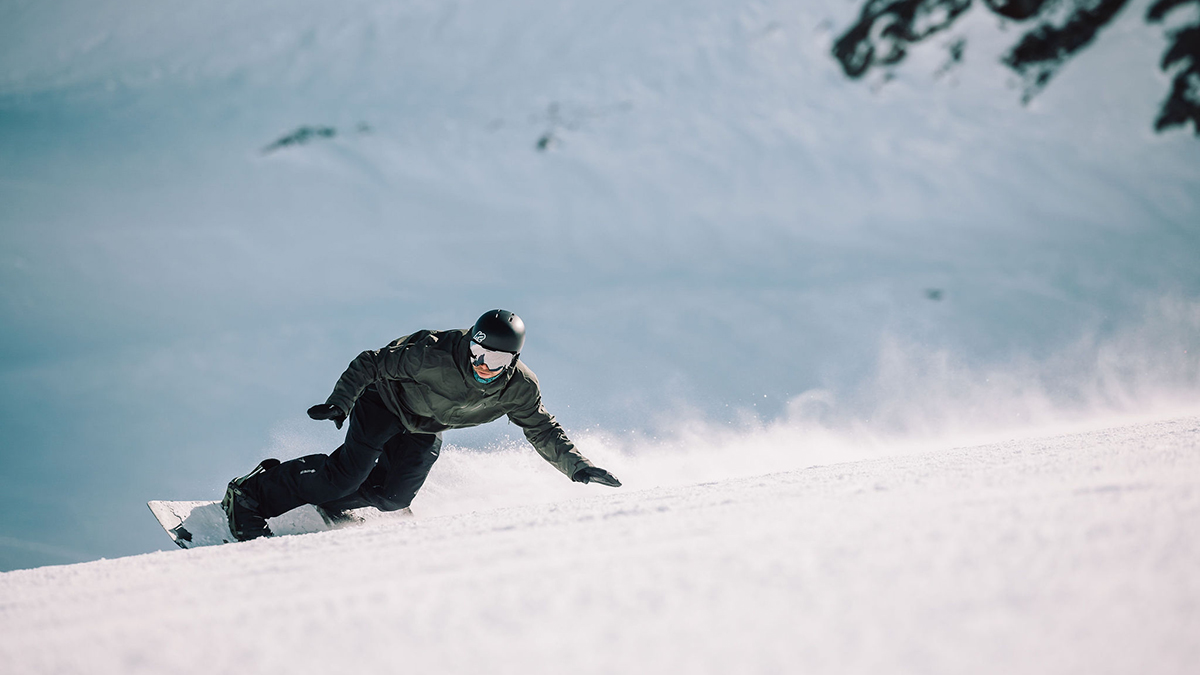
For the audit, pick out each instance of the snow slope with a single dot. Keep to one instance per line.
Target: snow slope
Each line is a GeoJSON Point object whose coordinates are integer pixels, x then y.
{"type": "Point", "coordinates": [1065, 554]}
{"type": "Point", "coordinates": [723, 238]}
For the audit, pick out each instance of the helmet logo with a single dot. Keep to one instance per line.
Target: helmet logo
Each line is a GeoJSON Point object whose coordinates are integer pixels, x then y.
{"type": "Point", "coordinates": [479, 337]}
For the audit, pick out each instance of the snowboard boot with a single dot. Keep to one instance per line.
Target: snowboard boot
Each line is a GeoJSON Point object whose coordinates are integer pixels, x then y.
{"type": "Point", "coordinates": [241, 504]}
{"type": "Point", "coordinates": [337, 518]}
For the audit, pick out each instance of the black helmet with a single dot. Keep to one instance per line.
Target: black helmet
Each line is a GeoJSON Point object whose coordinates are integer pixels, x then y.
{"type": "Point", "coordinates": [500, 330]}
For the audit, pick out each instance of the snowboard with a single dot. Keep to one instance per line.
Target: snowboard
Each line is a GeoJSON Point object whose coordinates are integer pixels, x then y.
{"type": "Point", "coordinates": [192, 524]}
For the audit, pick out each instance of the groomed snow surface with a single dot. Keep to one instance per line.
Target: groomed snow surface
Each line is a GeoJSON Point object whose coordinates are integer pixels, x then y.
{"type": "Point", "coordinates": [1071, 554]}
{"type": "Point", "coordinates": [720, 225]}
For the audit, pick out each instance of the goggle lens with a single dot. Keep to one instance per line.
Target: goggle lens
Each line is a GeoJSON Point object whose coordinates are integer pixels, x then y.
{"type": "Point", "coordinates": [494, 360]}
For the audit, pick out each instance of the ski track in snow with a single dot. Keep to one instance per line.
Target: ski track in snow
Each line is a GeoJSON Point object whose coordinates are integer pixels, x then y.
{"type": "Point", "coordinates": [1075, 553]}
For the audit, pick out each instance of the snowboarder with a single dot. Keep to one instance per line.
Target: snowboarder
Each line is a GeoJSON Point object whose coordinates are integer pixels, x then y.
{"type": "Point", "coordinates": [399, 400]}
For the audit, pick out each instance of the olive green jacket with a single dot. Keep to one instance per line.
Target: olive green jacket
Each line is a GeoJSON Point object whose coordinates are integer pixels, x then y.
{"type": "Point", "coordinates": [426, 380]}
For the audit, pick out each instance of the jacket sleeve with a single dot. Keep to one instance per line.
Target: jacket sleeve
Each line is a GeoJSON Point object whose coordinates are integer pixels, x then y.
{"type": "Point", "coordinates": [369, 368]}
{"type": "Point", "coordinates": [544, 432]}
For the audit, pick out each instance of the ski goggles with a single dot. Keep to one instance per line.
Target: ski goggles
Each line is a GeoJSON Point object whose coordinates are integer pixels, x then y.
{"type": "Point", "coordinates": [494, 360]}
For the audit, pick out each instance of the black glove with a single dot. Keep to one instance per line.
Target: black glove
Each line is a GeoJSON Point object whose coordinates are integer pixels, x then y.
{"type": "Point", "coordinates": [594, 474]}
{"type": "Point", "coordinates": [327, 411]}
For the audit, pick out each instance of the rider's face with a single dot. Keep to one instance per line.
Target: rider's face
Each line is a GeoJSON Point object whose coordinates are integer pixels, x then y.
{"type": "Point", "coordinates": [486, 373]}
{"type": "Point", "coordinates": [488, 363]}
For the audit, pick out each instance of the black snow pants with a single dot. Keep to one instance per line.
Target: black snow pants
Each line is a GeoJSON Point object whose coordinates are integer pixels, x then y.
{"type": "Point", "coordinates": [381, 464]}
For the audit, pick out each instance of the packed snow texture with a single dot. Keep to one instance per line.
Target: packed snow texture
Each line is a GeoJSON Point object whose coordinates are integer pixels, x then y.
{"type": "Point", "coordinates": [717, 241]}
{"type": "Point", "coordinates": [1068, 554]}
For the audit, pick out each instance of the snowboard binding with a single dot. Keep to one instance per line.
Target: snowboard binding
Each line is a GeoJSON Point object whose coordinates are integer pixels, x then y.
{"type": "Point", "coordinates": [241, 504]}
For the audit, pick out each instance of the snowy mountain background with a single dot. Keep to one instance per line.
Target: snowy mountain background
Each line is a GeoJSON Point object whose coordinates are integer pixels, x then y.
{"type": "Point", "coordinates": [732, 259]}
